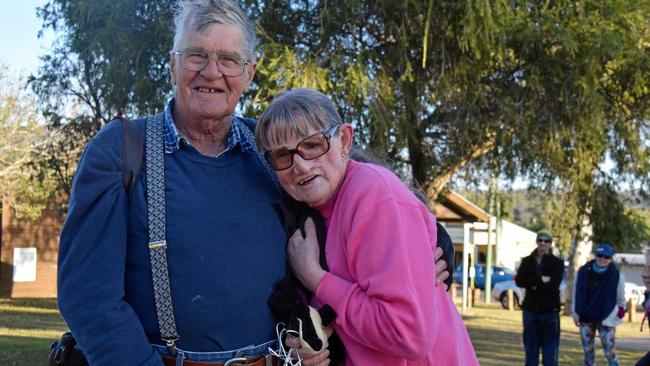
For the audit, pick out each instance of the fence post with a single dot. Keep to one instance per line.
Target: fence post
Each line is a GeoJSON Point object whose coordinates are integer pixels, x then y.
{"type": "Point", "coordinates": [511, 300]}
{"type": "Point", "coordinates": [631, 310]}
{"type": "Point", "coordinates": [476, 296]}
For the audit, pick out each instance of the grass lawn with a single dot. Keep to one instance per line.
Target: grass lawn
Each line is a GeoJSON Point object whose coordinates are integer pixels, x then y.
{"type": "Point", "coordinates": [497, 338]}
{"type": "Point", "coordinates": [28, 326]}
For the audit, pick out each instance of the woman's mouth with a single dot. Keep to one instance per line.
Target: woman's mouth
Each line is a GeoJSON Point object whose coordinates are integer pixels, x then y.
{"type": "Point", "coordinates": [307, 180]}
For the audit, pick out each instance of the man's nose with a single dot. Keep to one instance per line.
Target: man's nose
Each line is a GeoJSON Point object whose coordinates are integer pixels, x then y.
{"type": "Point", "coordinates": [211, 69]}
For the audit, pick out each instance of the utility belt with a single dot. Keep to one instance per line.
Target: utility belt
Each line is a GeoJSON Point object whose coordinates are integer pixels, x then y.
{"type": "Point", "coordinates": [66, 353]}
{"type": "Point", "coordinates": [253, 355]}
{"type": "Point", "coordinates": [267, 360]}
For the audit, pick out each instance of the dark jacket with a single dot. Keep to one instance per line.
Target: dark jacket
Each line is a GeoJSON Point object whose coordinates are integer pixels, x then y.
{"type": "Point", "coordinates": [540, 297]}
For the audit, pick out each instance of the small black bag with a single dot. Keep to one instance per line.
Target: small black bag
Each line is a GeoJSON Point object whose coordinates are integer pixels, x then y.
{"type": "Point", "coordinates": [64, 353]}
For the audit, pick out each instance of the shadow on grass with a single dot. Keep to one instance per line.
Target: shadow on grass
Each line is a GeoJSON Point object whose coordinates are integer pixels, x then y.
{"type": "Point", "coordinates": [30, 314]}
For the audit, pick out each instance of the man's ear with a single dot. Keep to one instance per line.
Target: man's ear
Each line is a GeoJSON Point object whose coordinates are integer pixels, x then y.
{"type": "Point", "coordinates": [172, 67]}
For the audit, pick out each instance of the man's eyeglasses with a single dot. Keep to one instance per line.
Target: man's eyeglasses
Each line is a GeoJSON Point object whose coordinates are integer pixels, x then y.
{"type": "Point", "coordinates": [603, 256]}
{"type": "Point", "coordinates": [544, 241]}
{"type": "Point", "coordinates": [309, 148]}
{"type": "Point", "coordinates": [196, 59]}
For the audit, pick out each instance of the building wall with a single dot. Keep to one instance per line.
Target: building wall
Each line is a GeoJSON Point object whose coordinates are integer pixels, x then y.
{"type": "Point", "coordinates": [42, 235]}
{"type": "Point", "coordinates": [515, 242]}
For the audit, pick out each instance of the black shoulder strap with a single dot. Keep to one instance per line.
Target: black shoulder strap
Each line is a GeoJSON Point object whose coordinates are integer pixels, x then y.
{"type": "Point", "coordinates": [444, 242]}
{"type": "Point", "coordinates": [132, 153]}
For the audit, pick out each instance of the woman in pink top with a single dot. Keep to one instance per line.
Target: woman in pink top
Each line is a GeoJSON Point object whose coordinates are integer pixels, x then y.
{"type": "Point", "coordinates": [380, 241]}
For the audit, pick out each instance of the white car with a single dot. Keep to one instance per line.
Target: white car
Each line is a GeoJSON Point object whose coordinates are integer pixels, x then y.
{"type": "Point", "coordinates": [500, 292]}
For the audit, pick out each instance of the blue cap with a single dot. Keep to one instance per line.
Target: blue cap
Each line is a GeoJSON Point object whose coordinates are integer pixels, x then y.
{"type": "Point", "coordinates": [605, 250]}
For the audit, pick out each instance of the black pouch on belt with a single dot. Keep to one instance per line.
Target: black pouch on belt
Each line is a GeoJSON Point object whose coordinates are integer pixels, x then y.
{"type": "Point", "coordinates": [64, 353]}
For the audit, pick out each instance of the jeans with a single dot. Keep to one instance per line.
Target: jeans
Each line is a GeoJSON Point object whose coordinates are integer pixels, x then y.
{"type": "Point", "coordinates": [249, 351]}
{"type": "Point", "coordinates": [541, 331]}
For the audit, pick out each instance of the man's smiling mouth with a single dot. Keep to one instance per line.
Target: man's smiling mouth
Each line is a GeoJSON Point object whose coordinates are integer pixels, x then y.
{"type": "Point", "coordinates": [208, 90]}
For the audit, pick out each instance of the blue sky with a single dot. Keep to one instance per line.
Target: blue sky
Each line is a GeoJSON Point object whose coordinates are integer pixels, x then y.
{"type": "Point", "coordinates": [20, 46]}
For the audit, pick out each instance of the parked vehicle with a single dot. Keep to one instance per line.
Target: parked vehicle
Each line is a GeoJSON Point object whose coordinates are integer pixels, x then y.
{"type": "Point", "coordinates": [500, 292]}
{"type": "Point", "coordinates": [499, 274]}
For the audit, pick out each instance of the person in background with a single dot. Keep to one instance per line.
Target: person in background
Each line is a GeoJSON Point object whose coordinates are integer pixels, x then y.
{"type": "Point", "coordinates": [599, 303]}
{"type": "Point", "coordinates": [540, 274]}
{"type": "Point", "coordinates": [645, 361]}
{"type": "Point", "coordinates": [380, 240]}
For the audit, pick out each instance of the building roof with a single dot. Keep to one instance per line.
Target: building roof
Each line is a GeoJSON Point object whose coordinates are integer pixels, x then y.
{"type": "Point", "coordinates": [451, 206]}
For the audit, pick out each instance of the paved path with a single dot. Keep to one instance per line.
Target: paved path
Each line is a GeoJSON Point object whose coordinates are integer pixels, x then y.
{"type": "Point", "coordinates": [635, 343]}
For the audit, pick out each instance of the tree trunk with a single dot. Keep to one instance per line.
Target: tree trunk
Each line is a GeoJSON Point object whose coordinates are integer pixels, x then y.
{"type": "Point", "coordinates": [437, 183]}
{"type": "Point", "coordinates": [577, 252]}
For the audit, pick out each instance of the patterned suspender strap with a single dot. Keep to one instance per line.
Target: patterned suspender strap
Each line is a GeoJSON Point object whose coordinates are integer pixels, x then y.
{"type": "Point", "coordinates": [157, 242]}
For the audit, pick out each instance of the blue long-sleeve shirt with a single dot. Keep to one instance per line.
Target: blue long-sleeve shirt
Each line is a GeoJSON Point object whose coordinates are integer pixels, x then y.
{"type": "Point", "coordinates": [225, 253]}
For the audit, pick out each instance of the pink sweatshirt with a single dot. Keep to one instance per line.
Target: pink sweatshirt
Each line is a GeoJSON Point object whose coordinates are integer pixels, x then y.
{"type": "Point", "coordinates": [381, 279]}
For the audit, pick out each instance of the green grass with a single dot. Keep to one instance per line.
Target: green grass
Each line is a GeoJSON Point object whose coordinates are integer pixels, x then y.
{"type": "Point", "coordinates": [497, 338]}
{"type": "Point", "coordinates": [28, 326]}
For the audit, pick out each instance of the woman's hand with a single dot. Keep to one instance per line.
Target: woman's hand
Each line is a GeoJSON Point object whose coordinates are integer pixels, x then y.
{"type": "Point", "coordinates": [304, 256]}
{"type": "Point", "coordinates": [319, 359]}
{"type": "Point", "coordinates": [441, 268]}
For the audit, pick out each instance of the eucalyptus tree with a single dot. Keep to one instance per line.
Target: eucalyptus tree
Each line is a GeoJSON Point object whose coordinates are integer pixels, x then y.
{"type": "Point", "coordinates": [109, 58]}
{"type": "Point", "coordinates": [543, 88]}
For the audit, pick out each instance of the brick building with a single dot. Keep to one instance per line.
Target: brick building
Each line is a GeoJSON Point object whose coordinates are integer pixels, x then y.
{"type": "Point", "coordinates": [28, 254]}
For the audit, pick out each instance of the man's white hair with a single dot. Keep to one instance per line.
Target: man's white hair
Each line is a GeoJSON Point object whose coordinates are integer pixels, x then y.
{"type": "Point", "coordinates": [200, 14]}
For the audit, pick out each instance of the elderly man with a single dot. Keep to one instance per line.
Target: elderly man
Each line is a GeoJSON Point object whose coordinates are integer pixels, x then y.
{"type": "Point", "coordinates": [540, 274]}
{"type": "Point", "coordinates": [194, 289]}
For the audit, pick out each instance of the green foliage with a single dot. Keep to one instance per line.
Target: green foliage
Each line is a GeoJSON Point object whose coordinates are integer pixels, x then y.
{"type": "Point", "coordinates": [21, 138]}
{"type": "Point", "coordinates": [546, 90]}
{"type": "Point", "coordinates": [110, 58]}
{"type": "Point", "coordinates": [624, 228]}
{"type": "Point", "coordinates": [532, 88]}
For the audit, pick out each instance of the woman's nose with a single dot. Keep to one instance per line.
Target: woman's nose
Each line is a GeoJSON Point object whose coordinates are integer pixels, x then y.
{"type": "Point", "coordinates": [300, 164]}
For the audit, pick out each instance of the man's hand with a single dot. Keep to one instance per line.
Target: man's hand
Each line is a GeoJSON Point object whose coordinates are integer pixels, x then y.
{"type": "Point", "coordinates": [441, 268]}
{"type": "Point", "coordinates": [546, 279]}
{"type": "Point", "coordinates": [319, 359]}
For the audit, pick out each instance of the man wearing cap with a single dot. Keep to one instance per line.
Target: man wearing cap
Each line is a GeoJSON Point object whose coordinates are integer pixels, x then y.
{"type": "Point", "coordinates": [540, 274]}
{"type": "Point", "coordinates": [599, 303]}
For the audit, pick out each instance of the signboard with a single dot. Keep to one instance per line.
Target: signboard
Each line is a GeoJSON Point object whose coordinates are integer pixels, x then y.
{"type": "Point", "coordinates": [24, 264]}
